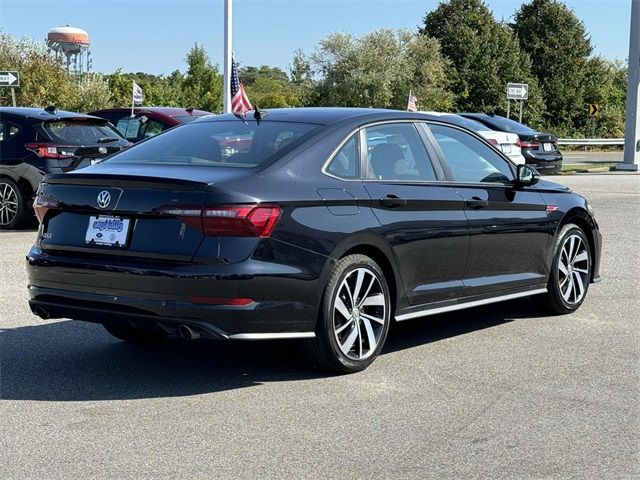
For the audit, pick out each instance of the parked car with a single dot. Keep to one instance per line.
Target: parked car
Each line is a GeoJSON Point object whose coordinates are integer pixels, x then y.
{"type": "Point", "coordinates": [539, 149]}
{"type": "Point", "coordinates": [35, 142]}
{"type": "Point", "coordinates": [507, 143]}
{"type": "Point", "coordinates": [305, 234]}
{"type": "Point", "coordinates": [147, 121]}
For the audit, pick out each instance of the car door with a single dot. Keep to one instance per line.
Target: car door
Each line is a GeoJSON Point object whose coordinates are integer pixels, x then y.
{"type": "Point", "coordinates": [422, 217]}
{"type": "Point", "coordinates": [509, 228]}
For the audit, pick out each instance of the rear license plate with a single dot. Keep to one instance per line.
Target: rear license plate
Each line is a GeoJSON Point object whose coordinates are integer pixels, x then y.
{"type": "Point", "coordinates": [107, 230]}
{"type": "Point", "coordinates": [547, 147]}
{"type": "Point", "coordinates": [506, 148]}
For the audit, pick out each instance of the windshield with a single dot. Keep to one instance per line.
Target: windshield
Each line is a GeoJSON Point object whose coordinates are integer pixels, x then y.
{"type": "Point", "coordinates": [80, 132]}
{"type": "Point", "coordinates": [466, 122]}
{"type": "Point", "coordinates": [220, 143]}
{"type": "Point", "coordinates": [508, 125]}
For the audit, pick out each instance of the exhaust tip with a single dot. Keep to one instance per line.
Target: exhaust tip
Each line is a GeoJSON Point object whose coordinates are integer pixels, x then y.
{"type": "Point", "coordinates": [42, 312]}
{"type": "Point", "coordinates": [187, 332]}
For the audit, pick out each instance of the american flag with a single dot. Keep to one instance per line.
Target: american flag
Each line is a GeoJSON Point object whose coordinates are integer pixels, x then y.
{"type": "Point", "coordinates": [240, 103]}
{"type": "Point", "coordinates": [411, 103]}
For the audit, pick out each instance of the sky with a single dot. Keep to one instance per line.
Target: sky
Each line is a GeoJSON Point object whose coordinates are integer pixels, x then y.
{"type": "Point", "coordinates": [154, 36]}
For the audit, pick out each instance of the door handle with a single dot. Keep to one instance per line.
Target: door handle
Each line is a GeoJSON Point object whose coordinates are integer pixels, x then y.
{"type": "Point", "coordinates": [393, 201]}
{"type": "Point", "coordinates": [477, 202]}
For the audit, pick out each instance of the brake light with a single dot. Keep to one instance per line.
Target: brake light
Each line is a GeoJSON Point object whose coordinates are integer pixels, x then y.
{"type": "Point", "coordinates": [45, 150]}
{"type": "Point", "coordinates": [529, 145]}
{"type": "Point", "coordinates": [42, 204]}
{"type": "Point", "coordinates": [229, 221]}
{"type": "Point", "coordinates": [492, 141]}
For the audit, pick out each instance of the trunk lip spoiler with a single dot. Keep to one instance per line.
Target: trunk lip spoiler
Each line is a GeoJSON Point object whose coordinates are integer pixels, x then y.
{"type": "Point", "coordinates": [117, 180]}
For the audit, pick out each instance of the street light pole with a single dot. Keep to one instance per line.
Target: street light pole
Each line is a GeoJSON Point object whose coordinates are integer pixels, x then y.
{"type": "Point", "coordinates": [632, 126]}
{"type": "Point", "coordinates": [228, 31]}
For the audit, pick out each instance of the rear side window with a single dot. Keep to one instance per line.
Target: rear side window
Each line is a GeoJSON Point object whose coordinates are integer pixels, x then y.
{"type": "Point", "coordinates": [74, 132]}
{"type": "Point", "coordinates": [139, 128]}
{"type": "Point", "coordinates": [344, 163]}
{"type": "Point", "coordinates": [8, 131]}
{"type": "Point", "coordinates": [233, 143]}
{"type": "Point", "coordinates": [395, 152]}
{"type": "Point", "coordinates": [469, 159]}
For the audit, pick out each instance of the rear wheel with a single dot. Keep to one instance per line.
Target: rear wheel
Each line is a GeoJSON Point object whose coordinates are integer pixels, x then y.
{"type": "Point", "coordinates": [13, 205]}
{"type": "Point", "coordinates": [570, 271]}
{"type": "Point", "coordinates": [132, 334]}
{"type": "Point", "coordinates": [354, 318]}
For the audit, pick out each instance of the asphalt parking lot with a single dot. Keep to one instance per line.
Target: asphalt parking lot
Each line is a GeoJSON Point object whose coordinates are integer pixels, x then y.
{"type": "Point", "coordinates": [495, 392]}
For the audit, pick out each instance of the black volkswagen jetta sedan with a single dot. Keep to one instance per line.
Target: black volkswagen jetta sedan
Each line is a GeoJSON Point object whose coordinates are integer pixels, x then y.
{"type": "Point", "coordinates": [322, 224]}
{"type": "Point", "coordinates": [539, 149]}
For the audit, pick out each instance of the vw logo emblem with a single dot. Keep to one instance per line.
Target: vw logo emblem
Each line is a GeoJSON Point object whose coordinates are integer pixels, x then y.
{"type": "Point", "coordinates": [102, 150]}
{"type": "Point", "coordinates": [104, 199]}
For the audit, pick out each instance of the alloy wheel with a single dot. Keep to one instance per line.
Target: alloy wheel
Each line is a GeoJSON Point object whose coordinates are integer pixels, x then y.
{"type": "Point", "coordinates": [8, 204]}
{"type": "Point", "coordinates": [359, 313]}
{"type": "Point", "coordinates": [573, 269]}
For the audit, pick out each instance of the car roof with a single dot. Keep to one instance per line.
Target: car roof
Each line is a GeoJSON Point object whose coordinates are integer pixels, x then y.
{"type": "Point", "coordinates": [327, 115]}
{"type": "Point", "coordinates": [40, 114]}
{"type": "Point", "coordinates": [170, 111]}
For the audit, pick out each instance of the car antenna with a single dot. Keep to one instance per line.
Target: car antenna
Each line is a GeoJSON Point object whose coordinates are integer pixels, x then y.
{"type": "Point", "coordinates": [259, 114]}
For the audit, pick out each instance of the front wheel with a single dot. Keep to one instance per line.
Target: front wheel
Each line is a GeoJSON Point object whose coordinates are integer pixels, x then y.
{"type": "Point", "coordinates": [354, 317]}
{"type": "Point", "coordinates": [570, 271]}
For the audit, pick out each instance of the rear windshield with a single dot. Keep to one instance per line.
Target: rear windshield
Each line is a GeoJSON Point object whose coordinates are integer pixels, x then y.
{"type": "Point", "coordinates": [187, 118]}
{"type": "Point", "coordinates": [508, 125]}
{"type": "Point", "coordinates": [231, 143]}
{"type": "Point", "coordinates": [466, 122]}
{"type": "Point", "coordinates": [83, 132]}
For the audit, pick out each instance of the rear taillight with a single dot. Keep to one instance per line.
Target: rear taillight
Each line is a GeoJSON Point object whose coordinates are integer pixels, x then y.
{"type": "Point", "coordinates": [492, 141]}
{"type": "Point", "coordinates": [229, 221]}
{"type": "Point", "coordinates": [45, 150]}
{"type": "Point", "coordinates": [529, 145]}
{"type": "Point", "coordinates": [42, 204]}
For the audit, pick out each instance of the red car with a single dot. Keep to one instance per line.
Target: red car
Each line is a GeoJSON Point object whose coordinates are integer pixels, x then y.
{"type": "Point", "coordinates": [147, 121]}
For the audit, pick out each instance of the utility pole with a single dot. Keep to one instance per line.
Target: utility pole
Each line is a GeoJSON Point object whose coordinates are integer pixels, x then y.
{"type": "Point", "coordinates": [632, 126]}
{"type": "Point", "coordinates": [228, 33]}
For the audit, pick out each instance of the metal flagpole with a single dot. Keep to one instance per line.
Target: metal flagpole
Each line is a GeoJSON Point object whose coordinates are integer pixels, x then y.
{"type": "Point", "coordinates": [632, 126]}
{"type": "Point", "coordinates": [133, 101]}
{"type": "Point", "coordinates": [228, 27]}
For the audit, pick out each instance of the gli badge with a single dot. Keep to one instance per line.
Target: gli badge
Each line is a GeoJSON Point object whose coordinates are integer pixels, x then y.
{"type": "Point", "coordinates": [104, 199]}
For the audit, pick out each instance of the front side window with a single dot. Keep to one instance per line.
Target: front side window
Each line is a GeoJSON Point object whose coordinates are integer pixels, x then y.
{"type": "Point", "coordinates": [344, 163]}
{"type": "Point", "coordinates": [233, 143]}
{"type": "Point", "coordinates": [8, 131]}
{"type": "Point", "coordinates": [395, 152]}
{"type": "Point", "coordinates": [469, 159]}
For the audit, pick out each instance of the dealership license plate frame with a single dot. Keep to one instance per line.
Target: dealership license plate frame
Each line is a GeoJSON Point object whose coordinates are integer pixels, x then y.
{"type": "Point", "coordinates": [547, 147]}
{"type": "Point", "coordinates": [109, 235]}
{"type": "Point", "coordinates": [506, 148]}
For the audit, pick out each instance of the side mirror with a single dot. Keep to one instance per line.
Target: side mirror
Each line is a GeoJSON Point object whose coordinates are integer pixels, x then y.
{"type": "Point", "coordinates": [527, 175]}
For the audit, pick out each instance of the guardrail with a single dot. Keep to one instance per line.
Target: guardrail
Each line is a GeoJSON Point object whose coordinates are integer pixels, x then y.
{"type": "Point", "coordinates": [591, 141]}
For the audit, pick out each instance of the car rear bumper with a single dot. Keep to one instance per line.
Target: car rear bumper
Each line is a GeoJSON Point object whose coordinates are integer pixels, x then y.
{"type": "Point", "coordinates": [549, 163]}
{"type": "Point", "coordinates": [279, 301]}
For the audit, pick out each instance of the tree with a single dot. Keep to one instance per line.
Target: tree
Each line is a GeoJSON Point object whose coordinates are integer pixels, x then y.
{"type": "Point", "coordinates": [43, 79]}
{"type": "Point", "coordinates": [559, 47]}
{"type": "Point", "coordinates": [379, 69]}
{"type": "Point", "coordinates": [485, 55]}
{"type": "Point", "coordinates": [248, 75]}
{"type": "Point", "coordinates": [606, 86]}
{"type": "Point", "coordinates": [202, 86]}
{"type": "Point", "coordinates": [302, 80]}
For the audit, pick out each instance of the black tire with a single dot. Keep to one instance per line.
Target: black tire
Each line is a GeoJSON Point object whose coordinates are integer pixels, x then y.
{"type": "Point", "coordinates": [556, 301]}
{"type": "Point", "coordinates": [14, 211]}
{"type": "Point", "coordinates": [132, 334]}
{"type": "Point", "coordinates": [324, 349]}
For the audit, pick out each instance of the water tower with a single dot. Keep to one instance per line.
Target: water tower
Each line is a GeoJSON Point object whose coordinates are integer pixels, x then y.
{"type": "Point", "coordinates": [71, 44]}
